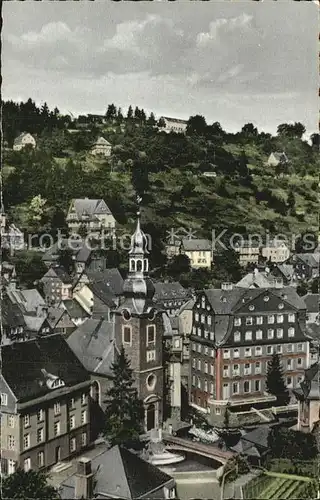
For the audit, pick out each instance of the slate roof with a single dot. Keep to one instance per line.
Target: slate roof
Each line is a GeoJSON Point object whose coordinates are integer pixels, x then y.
{"type": "Point", "coordinates": [258, 437]}
{"type": "Point", "coordinates": [287, 270]}
{"type": "Point", "coordinates": [111, 277]}
{"type": "Point", "coordinates": [258, 280]}
{"type": "Point", "coordinates": [54, 315]}
{"type": "Point", "coordinates": [86, 206]}
{"type": "Point", "coordinates": [122, 474]}
{"type": "Point", "coordinates": [166, 291]}
{"type": "Point", "coordinates": [80, 250]}
{"type": "Point", "coordinates": [104, 292]}
{"type": "Point", "coordinates": [312, 302]}
{"type": "Point", "coordinates": [101, 141]}
{"type": "Point", "coordinates": [22, 363]}
{"type": "Point", "coordinates": [34, 323]}
{"type": "Point", "coordinates": [74, 309]}
{"type": "Point", "coordinates": [196, 245]}
{"type": "Point", "coordinates": [311, 259]}
{"type": "Point", "coordinates": [11, 314]}
{"type": "Point", "coordinates": [60, 273]}
{"type": "Point", "coordinates": [93, 343]}
{"type": "Point", "coordinates": [28, 300]}
{"type": "Point", "coordinates": [177, 120]}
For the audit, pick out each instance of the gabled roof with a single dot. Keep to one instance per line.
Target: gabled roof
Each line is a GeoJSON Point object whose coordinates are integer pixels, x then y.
{"type": "Point", "coordinates": [279, 156]}
{"type": "Point", "coordinates": [60, 273]}
{"type": "Point", "coordinates": [166, 291]}
{"type": "Point", "coordinates": [255, 279]}
{"type": "Point", "coordinates": [311, 259]}
{"type": "Point", "coordinates": [18, 140]}
{"type": "Point", "coordinates": [28, 300]}
{"type": "Point", "coordinates": [101, 141]}
{"type": "Point", "coordinates": [123, 474]}
{"type": "Point", "coordinates": [312, 302]}
{"type": "Point", "coordinates": [177, 120]}
{"type": "Point", "coordinates": [287, 270]}
{"type": "Point", "coordinates": [191, 245]}
{"type": "Point", "coordinates": [111, 277]}
{"type": "Point", "coordinates": [34, 323]}
{"type": "Point", "coordinates": [74, 309]}
{"type": "Point", "coordinates": [104, 292]}
{"type": "Point", "coordinates": [22, 363]}
{"type": "Point", "coordinates": [54, 315]}
{"type": "Point", "coordinates": [93, 343]}
{"type": "Point", "coordinates": [11, 314]}
{"type": "Point", "coordinates": [86, 206]}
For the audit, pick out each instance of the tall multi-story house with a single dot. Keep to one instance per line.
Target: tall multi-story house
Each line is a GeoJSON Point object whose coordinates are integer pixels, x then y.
{"type": "Point", "coordinates": [248, 251]}
{"type": "Point", "coordinates": [57, 285]}
{"type": "Point", "coordinates": [93, 215]}
{"type": "Point", "coordinates": [45, 405]}
{"type": "Point", "coordinates": [23, 140]}
{"type": "Point", "coordinates": [275, 251]}
{"type": "Point", "coordinates": [234, 334]}
{"type": "Point", "coordinates": [199, 252]}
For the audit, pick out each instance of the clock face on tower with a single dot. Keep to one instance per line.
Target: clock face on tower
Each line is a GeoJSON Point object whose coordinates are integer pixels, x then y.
{"type": "Point", "coordinates": [152, 314]}
{"type": "Point", "coordinates": [126, 314]}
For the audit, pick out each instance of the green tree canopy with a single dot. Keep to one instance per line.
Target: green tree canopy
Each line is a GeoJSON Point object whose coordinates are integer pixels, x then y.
{"type": "Point", "coordinates": [28, 485]}
{"type": "Point", "coordinates": [275, 381]}
{"type": "Point", "coordinates": [124, 411]}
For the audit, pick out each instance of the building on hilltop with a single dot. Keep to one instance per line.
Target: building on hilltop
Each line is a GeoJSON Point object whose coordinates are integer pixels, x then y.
{"type": "Point", "coordinates": [277, 158]}
{"type": "Point", "coordinates": [101, 148]}
{"type": "Point", "coordinates": [45, 404]}
{"type": "Point", "coordinates": [92, 215]}
{"type": "Point", "coordinates": [275, 251]}
{"type": "Point", "coordinates": [248, 251]}
{"type": "Point", "coordinates": [23, 140]}
{"type": "Point", "coordinates": [234, 334]}
{"type": "Point", "coordinates": [173, 125]}
{"type": "Point", "coordinates": [199, 252]}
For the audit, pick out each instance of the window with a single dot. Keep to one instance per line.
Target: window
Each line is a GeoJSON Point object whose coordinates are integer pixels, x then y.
{"type": "Point", "coordinates": [83, 417]}
{"type": "Point", "coordinates": [151, 334]}
{"type": "Point", "coordinates": [299, 347]}
{"type": "Point", "coordinates": [4, 399]}
{"type": "Point", "coordinates": [248, 335]}
{"type": "Point", "coordinates": [251, 307]}
{"type": "Point", "coordinates": [211, 369]}
{"type": "Point", "coordinates": [40, 459]}
{"type": "Point", "coordinates": [26, 441]}
{"type": "Point", "coordinates": [199, 364]}
{"type": "Point", "coordinates": [56, 428]}
{"type": "Point", "coordinates": [258, 351]}
{"type": "Point", "coordinates": [202, 318]}
{"type": "Point", "coordinates": [291, 317]}
{"type": "Point", "coordinates": [226, 371]}
{"type": "Point", "coordinates": [280, 318]}
{"type": "Point", "coordinates": [11, 466]}
{"type": "Point", "coordinates": [247, 352]}
{"type": "Point", "coordinates": [279, 349]}
{"type": "Point", "coordinates": [247, 369]}
{"type": "Point", "coordinates": [270, 333]}
{"type": "Point", "coordinates": [266, 298]}
{"type": "Point", "coordinates": [237, 336]}
{"type": "Point", "coordinates": [270, 349]}
{"type": "Point", "coordinates": [257, 385]}
{"type": "Point", "coordinates": [193, 363]}
{"type": "Point", "coordinates": [246, 386]}
{"type": "Point", "coordinates": [258, 334]}
{"type": "Point", "coordinates": [56, 408]}
{"type": "Point", "coordinates": [281, 306]}
{"type": "Point", "coordinates": [194, 330]}
{"type": "Point", "coordinates": [211, 388]}
{"type": "Point", "coordinates": [199, 383]}
{"type": "Point", "coordinates": [72, 422]}
{"type": "Point", "coordinates": [235, 353]}
{"type": "Point", "coordinates": [270, 319]}
{"type": "Point", "coordinates": [205, 386]}
{"type": "Point", "coordinates": [237, 321]}
{"type": "Point", "coordinates": [209, 320]}
{"type": "Point", "coordinates": [259, 320]}
{"type": "Point", "coordinates": [84, 439]}
{"type": "Point", "coordinates": [279, 333]}
{"type": "Point", "coordinates": [151, 355]}
{"type": "Point", "coordinates": [27, 464]}
{"type": "Point", "coordinates": [40, 415]}
{"type": "Point", "coordinates": [300, 362]}
{"type": "Point", "coordinates": [236, 370]}
{"type": "Point", "coordinates": [196, 316]}
{"type": "Point", "coordinates": [289, 364]}
{"type": "Point", "coordinates": [10, 420]}
{"type": "Point", "coordinates": [258, 367]}
{"type": "Point", "coordinates": [83, 399]}
{"type": "Point", "coordinates": [206, 350]}
{"type": "Point", "coordinates": [289, 348]}
{"type": "Point", "coordinates": [40, 435]}
{"type": "Point", "coordinates": [26, 420]}
{"type": "Point", "coordinates": [11, 443]}
{"type": "Point", "coordinates": [291, 332]}
{"type": "Point", "coordinates": [199, 348]}
{"type": "Point", "coordinates": [206, 367]}
{"type": "Point", "coordinates": [218, 410]}
{"type": "Point", "coordinates": [226, 354]}
{"type": "Point", "coordinates": [126, 335]}
{"type": "Point", "coordinates": [72, 403]}
{"type": "Point", "coordinates": [235, 388]}
{"type": "Point", "coordinates": [73, 445]}
{"type": "Point", "coordinates": [289, 381]}
{"type": "Point", "coordinates": [177, 343]}
{"type": "Point", "coordinates": [193, 380]}
{"type": "Point", "coordinates": [199, 331]}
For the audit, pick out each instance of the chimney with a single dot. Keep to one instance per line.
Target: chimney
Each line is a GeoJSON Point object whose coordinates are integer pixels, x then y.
{"type": "Point", "coordinates": [84, 479]}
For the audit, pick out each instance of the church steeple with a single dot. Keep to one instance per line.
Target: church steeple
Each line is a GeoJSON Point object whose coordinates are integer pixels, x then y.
{"type": "Point", "coordinates": [138, 288]}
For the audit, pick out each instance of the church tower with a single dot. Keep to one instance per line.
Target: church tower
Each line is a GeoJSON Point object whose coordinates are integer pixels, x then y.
{"type": "Point", "coordinates": [139, 328]}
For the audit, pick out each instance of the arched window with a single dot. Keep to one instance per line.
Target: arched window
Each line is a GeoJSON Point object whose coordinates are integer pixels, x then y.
{"type": "Point", "coordinates": [139, 265]}
{"type": "Point", "coordinates": [132, 265]}
{"type": "Point", "coordinates": [95, 392]}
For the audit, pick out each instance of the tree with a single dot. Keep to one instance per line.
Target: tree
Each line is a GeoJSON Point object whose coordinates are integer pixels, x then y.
{"type": "Point", "coordinates": [151, 120]}
{"type": "Point", "coordinates": [178, 265]}
{"type": "Point", "coordinates": [295, 130]}
{"type": "Point", "coordinates": [66, 260]}
{"type": "Point", "coordinates": [111, 112]}
{"type": "Point", "coordinates": [130, 112]}
{"type": "Point", "coordinates": [161, 123]}
{"type": "Point", "coordinates": [29, 267]}
{"type": "Point", "coordinates": [275, 381]}
{"type": "Point", "coordinates": [119, 115]}
{"type": "Point", "coordinates": [196, 125]}
{"type": "Point", "coordinates": [124, 411]}
{"type": "Point", "coordinates": [291, 201]}
{"type": "Point", "coordinates": [83, 232]}
{"type": "Point", "coordinates": [31, 484]}
{"type": "Point", "coordinates": [249, 130]}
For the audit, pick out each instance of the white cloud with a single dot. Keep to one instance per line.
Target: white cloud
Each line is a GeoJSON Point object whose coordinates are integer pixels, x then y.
{"type": "Point", "coordinates": [219, 27]}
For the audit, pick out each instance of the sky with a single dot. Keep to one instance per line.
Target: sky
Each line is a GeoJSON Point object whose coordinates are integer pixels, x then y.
{"type": "Point", "coordinates": [233, 62]}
